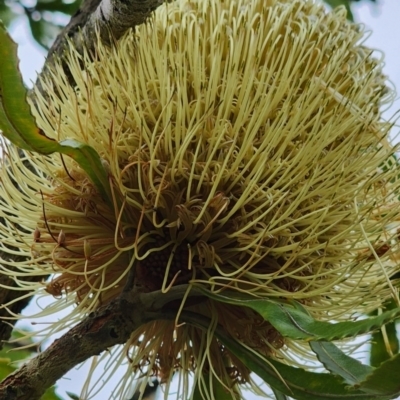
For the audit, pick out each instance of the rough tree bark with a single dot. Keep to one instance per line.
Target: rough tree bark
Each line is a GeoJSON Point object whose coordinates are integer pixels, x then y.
{"type": "Point", "coordinates": [110, 325]}
{"type": "Point", "coordinates": [109, 19]}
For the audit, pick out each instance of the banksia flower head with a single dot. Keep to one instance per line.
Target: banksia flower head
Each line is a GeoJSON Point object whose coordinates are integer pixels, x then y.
{"type": "Point", "coordinates": [245, 151]}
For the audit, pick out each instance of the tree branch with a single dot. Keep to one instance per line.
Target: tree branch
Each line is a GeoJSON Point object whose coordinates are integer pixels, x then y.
{"type": "Point", "coordinates": [111, 324]}
{"type": "Point", "coordinates": [112, 18]}
{"type": "Point", "coordinates": [105, 328]}
{"type": "Point", "coordinates": [77, 22]}
{"type": "Point", "coordinates": [108, 19]}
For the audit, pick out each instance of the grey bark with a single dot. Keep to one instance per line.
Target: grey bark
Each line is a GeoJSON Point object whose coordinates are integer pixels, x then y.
{"type": "Point", "coordinates": [108, 326]}
{"type": "Point", "coordinates": [108, 19]}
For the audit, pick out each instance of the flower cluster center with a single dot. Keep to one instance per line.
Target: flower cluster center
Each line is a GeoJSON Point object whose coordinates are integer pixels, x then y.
{"type": "Point", "coordinates": [170, 263]}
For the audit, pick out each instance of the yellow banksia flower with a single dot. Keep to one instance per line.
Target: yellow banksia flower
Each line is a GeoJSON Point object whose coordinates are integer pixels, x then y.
{"type": "Point", "coordinates": [245, 151]}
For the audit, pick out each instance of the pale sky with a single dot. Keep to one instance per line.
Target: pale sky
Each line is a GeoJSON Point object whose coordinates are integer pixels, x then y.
{"type": "Point", "coordinates": [382, 20]}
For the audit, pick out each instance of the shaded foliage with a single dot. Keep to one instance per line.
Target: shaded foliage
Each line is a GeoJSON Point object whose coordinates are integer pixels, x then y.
{"type": "Point", "coordinates": [46, 17]}
{"type": "Point", "coordinates": [347, 4]}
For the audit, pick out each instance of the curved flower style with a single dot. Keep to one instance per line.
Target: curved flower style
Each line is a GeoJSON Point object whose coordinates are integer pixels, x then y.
{"type": "Point", "coordinates": [245, 150]}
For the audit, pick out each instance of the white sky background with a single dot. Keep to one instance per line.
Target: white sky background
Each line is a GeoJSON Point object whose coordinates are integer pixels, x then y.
{"type": "Point", "coordinates": [382, 19]}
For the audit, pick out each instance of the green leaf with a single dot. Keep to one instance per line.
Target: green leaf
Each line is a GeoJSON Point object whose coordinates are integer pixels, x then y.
{"type": "Point", "coordinates": [213, 387]}
{"type": "Point", "coordinates": [379, 352]}
{"type": "Point", "coordinates": [7, 14]}
{"type": "Point", "coordinates": [5, 368]}
{"type": "Point", "coordinates": [89, 161]}
{"type": "Point", "coordinates": [345, 3]}
{"type": "Point", "coordinates": [14, 354]}
{"type": "Point", "coordinates": [50, 394]}
{"type": "Point", "coordinates": [12, 351]}
{"type": "Point", "coordinates": [43, 31]}
{"type": "Point", "coordinates": [18, 124]}
{"type": "Point", "coordinates": [291, 381]}
{"type": "Point", "coordinates": [384, 379]}
{"type": "Point", "coordinates": [279, 395]}
{"type": "Point", "coordinates": [292, 321]}
{"type": "Point", "coordinates": [72, 396]}
{"type": "Point", "coordinates": [15, 114]}
{"type": "Point", "coordinates": [337, 362]}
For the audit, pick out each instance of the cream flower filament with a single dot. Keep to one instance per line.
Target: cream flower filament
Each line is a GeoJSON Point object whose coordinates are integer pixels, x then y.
{"type": "Point", "coordinates": [245, 148]}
